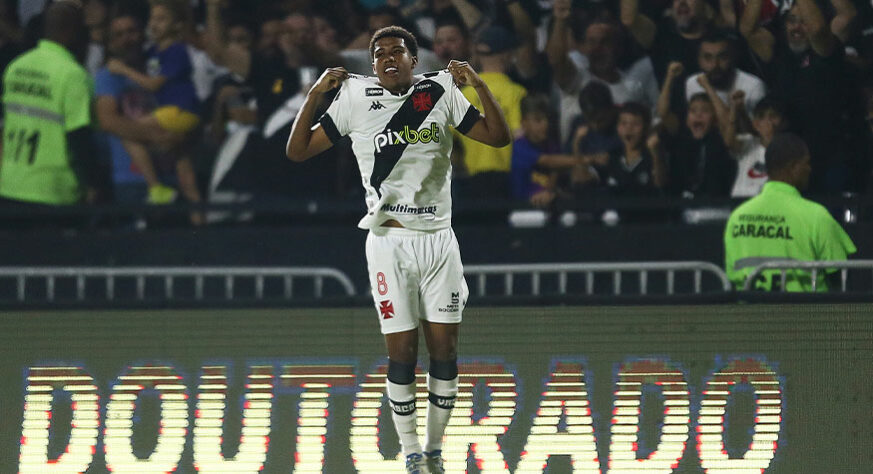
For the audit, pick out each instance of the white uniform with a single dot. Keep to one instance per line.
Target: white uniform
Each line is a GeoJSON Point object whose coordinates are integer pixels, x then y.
{"type": "Point", "coordinates": [403, 145]}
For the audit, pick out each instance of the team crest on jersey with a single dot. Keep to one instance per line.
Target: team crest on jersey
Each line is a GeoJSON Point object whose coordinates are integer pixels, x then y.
{"type": "Point", "coordinates": [374, 91]}
{"type": "Point", "coordinates": [407, 136]}
{"type": "Point", "coordinates": [422, 101]}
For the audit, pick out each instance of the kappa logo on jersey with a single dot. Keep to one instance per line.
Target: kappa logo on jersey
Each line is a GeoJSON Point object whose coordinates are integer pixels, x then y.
{"type": "Point", "coordinates": [387, 309]}
{"type": "Point", "coordinates": [374, 91]}
{"type": "Point", "coordinates": [407, 136]}
{"type": "Point", "coordinates": [422, 101]}
{"type": "Point", "coordinates": [376, 105]}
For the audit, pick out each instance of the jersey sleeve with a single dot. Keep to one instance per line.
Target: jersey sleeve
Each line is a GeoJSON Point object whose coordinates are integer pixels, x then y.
{"type": "Point", "coordinates": [336, 121]}
{"type": "Point", "coordinates": [463, 114]}
{"type": "Point", "coordinates": [77, 101]}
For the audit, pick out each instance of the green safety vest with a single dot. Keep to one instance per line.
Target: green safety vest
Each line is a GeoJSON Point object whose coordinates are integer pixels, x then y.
{"type": "Point", "coordinates": [46, 95]}
{"type": "Point", "coordinates": [779, 223]}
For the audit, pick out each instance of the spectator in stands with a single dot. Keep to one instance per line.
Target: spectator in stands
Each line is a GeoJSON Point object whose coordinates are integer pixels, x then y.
{"type": "Point", "coordinates": [600, 47]}
{"type": "Point", "coordinates": [594, 130]}
{"type": "Point", "coordinates": [807, 71]}
{"type": "Point", "coordinates": [700, 165]}
{"type": "Point", "coordinates": [779, 224]}
{"type": "Point", "coordinates": [121, 103]}
{"type": "Point", "coordinates": [636, 168]}
{"type": "Point", "coordinates": [272, 71]}
{"type": "Point", "coordinates": [96, 19]}
{"type": "Point", "coordinates": [168, 76]}
{"type": "Point", "coordinates": [673, 38]}
{"type": "Point", "coordinates": [633, 168]}
{"type": "Point", "coordinates": [717, 61]}
{"type": "Point", "coordinates": [49, 156]}
{"type": "Point", "coordinates": [11, 35]}
{"type": "Point", "coordinates": [488, 167]}
{"type": "Point", "coordinates": [536, 157]}
{"type": "Point", "coordinates": [451, 41]}
{"type": "Point", "coordinates": [747, 148]}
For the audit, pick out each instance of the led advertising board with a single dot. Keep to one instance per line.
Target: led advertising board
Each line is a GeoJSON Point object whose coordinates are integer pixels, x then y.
{"type": "Point", "coordinates": [720, 389]}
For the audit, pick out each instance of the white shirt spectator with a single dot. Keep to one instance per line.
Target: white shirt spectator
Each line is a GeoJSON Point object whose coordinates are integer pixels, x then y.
{"type": "Point", "coordinates": [754, 88]}
{"type": "Point", "coordinates": [203, 72]}
{"type": "Point", "coordinates": [751, 171]}
{"type": "Point", "coordinates": [628, 88]}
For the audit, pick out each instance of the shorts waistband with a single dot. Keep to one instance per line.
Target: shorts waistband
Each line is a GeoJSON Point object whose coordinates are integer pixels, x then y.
{"type": "Point", "coordinates": [404, 232]}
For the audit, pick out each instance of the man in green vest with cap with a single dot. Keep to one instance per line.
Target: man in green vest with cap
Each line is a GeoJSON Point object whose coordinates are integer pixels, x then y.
{"type": "Point", "coordinates": [779, 224]}
{"type": "Point", "coordinates": [49, 156]}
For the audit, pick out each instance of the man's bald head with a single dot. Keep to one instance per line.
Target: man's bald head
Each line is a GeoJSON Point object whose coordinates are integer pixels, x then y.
{"type": "Point", "coordinates": [65, 24]}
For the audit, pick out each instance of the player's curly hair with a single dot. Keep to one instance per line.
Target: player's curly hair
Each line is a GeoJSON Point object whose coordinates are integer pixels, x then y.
{"type": "Point", "coordinates": [395, 32]}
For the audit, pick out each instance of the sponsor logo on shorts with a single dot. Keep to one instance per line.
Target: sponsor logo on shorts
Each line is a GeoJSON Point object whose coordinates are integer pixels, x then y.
{"type": "Point", "coordinates": [454, 306]}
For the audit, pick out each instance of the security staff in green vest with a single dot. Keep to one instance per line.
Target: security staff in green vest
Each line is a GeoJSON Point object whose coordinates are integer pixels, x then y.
{"type": "Point", "coordinates": [779, 224]}
{"type": "Point", "coordinates": [49, 155]}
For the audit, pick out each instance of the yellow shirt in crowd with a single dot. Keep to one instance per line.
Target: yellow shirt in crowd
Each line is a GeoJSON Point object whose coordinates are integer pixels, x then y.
{"type": "Point", "coordinates": [479, 157]}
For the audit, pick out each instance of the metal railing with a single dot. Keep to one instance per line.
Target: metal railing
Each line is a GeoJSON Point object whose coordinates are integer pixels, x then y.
{"type": "Point", "coordinates": [171, 277]}
{"type": "Point", "coordinates": [783, 266]}
{"type": "Point", "coordinates": [563, 272]}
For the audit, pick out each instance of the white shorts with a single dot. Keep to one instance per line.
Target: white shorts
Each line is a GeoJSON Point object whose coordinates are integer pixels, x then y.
{"type": "Point", "coordinates": [415, 275]}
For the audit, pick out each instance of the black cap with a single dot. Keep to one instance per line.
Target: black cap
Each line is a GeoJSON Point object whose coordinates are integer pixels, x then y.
{"type": "Point", "coordinates": [495, 40]}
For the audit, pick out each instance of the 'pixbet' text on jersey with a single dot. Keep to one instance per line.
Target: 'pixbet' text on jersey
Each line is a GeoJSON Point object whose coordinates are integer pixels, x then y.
{"type": "Point", "coordinates": [407, 136]}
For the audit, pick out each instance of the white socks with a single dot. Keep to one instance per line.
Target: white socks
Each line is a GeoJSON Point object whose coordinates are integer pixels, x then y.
{"type": "Point", "coordinates": [401, 398]}
{"type": "Point", "coordinates": [441, 400]}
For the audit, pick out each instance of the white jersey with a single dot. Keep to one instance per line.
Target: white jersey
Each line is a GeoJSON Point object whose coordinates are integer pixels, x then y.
{"type": "Point", "coordinates": [403, 145]}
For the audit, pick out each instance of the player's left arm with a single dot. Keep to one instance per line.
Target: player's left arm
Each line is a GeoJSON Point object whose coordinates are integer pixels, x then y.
{"type": "Point", "coordinates": [491, 128]}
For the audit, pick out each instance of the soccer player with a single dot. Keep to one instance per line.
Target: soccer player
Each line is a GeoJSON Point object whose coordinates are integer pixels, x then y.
{"type": "Point", "coordinates": [399, 127]}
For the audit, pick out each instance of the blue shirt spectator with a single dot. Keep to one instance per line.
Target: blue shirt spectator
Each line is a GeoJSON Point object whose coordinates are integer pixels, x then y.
{"type": "Point", "coordinates": [174, 64]}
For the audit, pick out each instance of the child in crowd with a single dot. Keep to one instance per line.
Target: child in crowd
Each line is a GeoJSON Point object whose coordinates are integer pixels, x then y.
{"type": "Point", "coordinates": [700, 165]}
{"type": "Point", "coordinates": [594, 131]}
{"type": "Point", "coordinates": [537, 163]}
{"type": "Point", "coordinates": [748, 149]}
{"type": "Point", "coordinates": [169, 78]}
{"type": "Point", "coordinates": [636, 167]}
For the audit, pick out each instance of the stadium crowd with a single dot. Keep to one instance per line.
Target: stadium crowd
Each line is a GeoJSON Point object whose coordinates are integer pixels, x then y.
{"type": "Point", "coordinates": [195, 99]}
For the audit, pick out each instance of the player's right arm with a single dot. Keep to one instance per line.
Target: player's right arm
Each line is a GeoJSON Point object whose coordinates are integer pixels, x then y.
{"type": "Point", "coordinates": [307, 140]}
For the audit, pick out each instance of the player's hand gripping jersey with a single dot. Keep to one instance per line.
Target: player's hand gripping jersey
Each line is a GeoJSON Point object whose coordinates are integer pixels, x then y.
{"type": "Point", "coordinates": [403, 145]}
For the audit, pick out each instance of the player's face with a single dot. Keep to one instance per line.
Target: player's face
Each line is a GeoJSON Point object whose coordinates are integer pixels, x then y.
{"type": "Point", "coordinates": [393, 63]}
